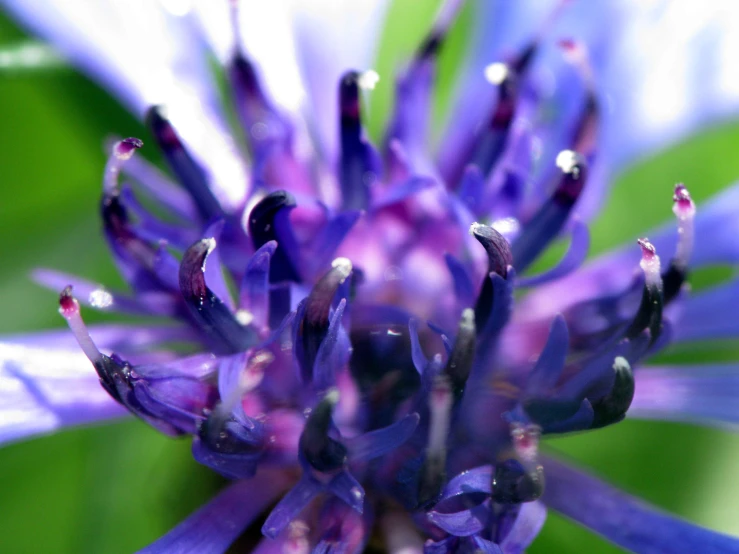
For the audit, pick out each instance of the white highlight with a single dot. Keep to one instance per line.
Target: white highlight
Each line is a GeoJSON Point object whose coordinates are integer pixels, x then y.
{"type": "Point", "coordinates": [368, 79]}
{"type": "Point", "coordinates": [100, 298]}
{"type": "Point", "coordinates": [496, 73]}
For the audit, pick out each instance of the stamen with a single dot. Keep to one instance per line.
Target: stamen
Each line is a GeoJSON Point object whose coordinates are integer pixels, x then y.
{"type": "Point", "coordinates": [499, 258]}
{"type": "Point", "coordinates": [313, 327]}
{"type": "Point", "coordinates": [269, 220]}
{"type": "Point", "coordinates": [433, 471]}
{"type": "Point", "coordinates": [358, 163]}
{"type": "Point", "coordinates": [684, 210]}
{"type": "Point", "coordinates": [120, 154]}
{"type": "Point", "coordinates": [214, 319]}
{"type": "Point", "coordinates": [70, 310]}
{"type": "Point", "coordinates": [322, 452]}
{"type": "Point", "coordinates": [612, 408]}
{"type": "Point", "coordinates": [460, 361]}
{"type": "Point", "coordinates": [650, 310]}
{"type": "Point", "coordinates": [548, 221]}
{"type": "Point", "coordinates": [183, 165]}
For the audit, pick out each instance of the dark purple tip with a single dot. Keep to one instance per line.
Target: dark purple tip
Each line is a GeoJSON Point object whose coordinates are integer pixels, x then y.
{"type": "Point", "coordinates": [126, 147]}
{"type": "Point", "coordinates": [612, 408]}
{"type": "Point", "coordinates": [349, 96]}
{"type": "Point", "coordinates": [68, 306]}
{"type": "Point", "coordinates": [513, 483]}
{"type": "Point", "coordinates": [496, 247]}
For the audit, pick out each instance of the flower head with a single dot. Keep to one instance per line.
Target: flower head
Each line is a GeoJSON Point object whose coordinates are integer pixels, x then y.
{"type": "Point", "coordinates": [345, 340]}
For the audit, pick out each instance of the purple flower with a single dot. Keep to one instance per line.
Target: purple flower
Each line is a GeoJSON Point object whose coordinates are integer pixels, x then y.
{"type": "Point", "coordinates": [344, 337]}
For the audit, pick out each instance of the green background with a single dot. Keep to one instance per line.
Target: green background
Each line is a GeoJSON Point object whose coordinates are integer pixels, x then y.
{"type": "Point", "coordinates": [117, 488]}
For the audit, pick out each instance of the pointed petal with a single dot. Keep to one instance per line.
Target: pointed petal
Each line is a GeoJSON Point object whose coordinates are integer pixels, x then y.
{"type": "Point", "coordinates": [212, 528]}
{"type": "Point", "coordinates": [528, 523]}
{"type": "Point", "coordinates": [464, 523]}
{"type": "Point", "coordinates": [378, 443]}
{"type": "Point", "coordinates": [45, 389]}
{"type": "Point", "coordinates": [574, 258]}
{"type": "Point", "coordinates": [709, 314]}
{"type": "Point", "coordinates": [348, 489]}
{"type": "Point", "coordinates": [704, 394]}
{"type": "Point", "coordinates": [623, 519]}
{"type": "Point", "coordinates": [291, 505]}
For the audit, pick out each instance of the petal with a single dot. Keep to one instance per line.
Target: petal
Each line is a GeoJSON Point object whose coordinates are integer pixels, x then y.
{"type": "Point", "coordinates": [145, 55]}
{"type": "Point", "coordinates": [45, 389]}
{"type": "Point", "coordinates": [695, 394]}
{"type": "Point", "coordinates": [623, 519]}
{"type": "Point", "coordinates": [291, 505]}
{"type": "Point", "coordinates": [709, 314]}
{"type": "Point", "coordinates": [212, 528]}
{"type": "Point", "coordinates": [378, 443]}
{"type": "Point", "coordinates": [330, 40]}
{"type": "Point", "coordinates": [464, 523]}
{"type": "Point", "coordinates": [574, 258]}
{"type": "Point", "coordinates": [528, 523]}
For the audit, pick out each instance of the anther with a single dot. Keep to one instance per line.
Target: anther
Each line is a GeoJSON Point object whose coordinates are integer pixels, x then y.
{"type": "Point", "coordinates": [649, 314]}
{"type": "Point", "coordinates": [684, 209]}
{"type": "Point", "coordinates": [462, 356]}
{"type": "Point", "coordinates": [499, 258]}
{"type": "Point", "coordinates": [69, 308]}
{"type": "Point", "coordinates": [612, 408]}
{"type": "Point", "coordinates": [322, 452]}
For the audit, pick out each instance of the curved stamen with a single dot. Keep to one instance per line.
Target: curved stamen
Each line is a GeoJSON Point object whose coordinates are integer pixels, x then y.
{"type": "Point", "coordinates": [548, 221]}
{"type": "Point", "coordinates": [585, 136]}
{"type": "Point", "coordinates": [684, 210]}
{"type": "Point", "coordinates": [323, 453]}
{"type": "Point", "coordinates": [69, 308]}
{"type": "Point", "coordinates": [499, 259]}
{"type": "Point", "coordinates": [183, 165]}
{"type": "Point", "coordinates": [612, 408]}
{"type": "Point", "coordinates": [358, 163]}
{"type": "Point", "coordinates": [214, 319]}
{"type": "Point", "coordinates": [314, 325]}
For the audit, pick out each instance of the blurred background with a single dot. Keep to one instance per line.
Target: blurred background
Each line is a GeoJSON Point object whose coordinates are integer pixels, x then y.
{"type": "Point", "coordinates": [117, 488]}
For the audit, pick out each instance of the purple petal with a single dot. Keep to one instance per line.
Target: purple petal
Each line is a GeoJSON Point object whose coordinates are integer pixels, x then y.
{"type": "Point", "coordinates": [378, 443]}
{"type": "Point", "coordinates": [291, 505]}
{"type": "Point", "coordinates": [45, 389]}
{"type": "Point", "coordinates": [574, 258]}
{"type": "Point", "coordinates": [704, 394]}
{"type": "Point", "coordinates": [254, 291]}
{"type": "Point", "coordinates": [328, 240]}
{"type": "Point", "coordinates": [419, 358]}
{"type": "Point", "coordinates": [402, 191]}
{"type": "Point", "coordinates": [529, 522]}
{"type": "Point", "coordinates": [624, 520]}
{"type": "Point", "coordinates": [464, 523]}
{"type": "Point", "coordinates": [470, 481]}
{"type": "Point", "coordinates": [214, 268]}
{"type": "Point", "coordinates": [463, 288]}
{"type": "Point", "coordinates": [212, 528]}
{"type": "Point", "coordinates": [548, 367]}
{"type": "Point", "coordinates": [334, 351]}
{"type": "Point", "coordinates": [348, 489]}
{"type": "Point", "coordinates": [709, 314]}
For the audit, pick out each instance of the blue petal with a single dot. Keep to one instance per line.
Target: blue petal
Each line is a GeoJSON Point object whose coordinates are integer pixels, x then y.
{"type": "Point", "coordinates": [291, 505]}
{"type": "Point", "coordinates": [529, 522]}
{"type": "Point", "coordinates": [348, 489]}
{"type": "Point", "coordinates": [42, 390]}
{"type": "Point", "coordinates": [548, 367]}
{"type": "Point", "coordinates": [624, 520]}
{"type": "Point", "coordinates": [574, 258]}
{"type": "Point", "coordinates": [378, 443]}
{"type": "Point", "coordinates": [470, 481]}
{"type": "Point", "coordinates": [705, 394]}
{"type": "Point", "coordinates": [213, 527]}
{"type": "Point", "coordinates": [464, 523]}
{"type": "Point", "coordinates": [709, 314]}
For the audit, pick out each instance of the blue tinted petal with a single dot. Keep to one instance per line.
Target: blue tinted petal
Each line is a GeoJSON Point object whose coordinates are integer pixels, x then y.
{"type": "Point", "coordinates": [291, 505]}
{"type": "Point", "coordinates": [465, 522]}
{"type": "Point", "coordinates": [705, 394]}
{"type": "Point", "coordinates": [624, 520]}
{"type": "Point", "coordinates": [529, 522]}
{"type": "Point", "coordinates": [378, 443]}
{"type": "Point", "coordinates": [45, 389]}
{"type": "Point", "coordinates": [709, 314]}
{"type": "Point", "coordinates": [212, 528]}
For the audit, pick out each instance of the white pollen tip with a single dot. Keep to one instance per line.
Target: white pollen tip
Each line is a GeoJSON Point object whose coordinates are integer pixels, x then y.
{"type": "Point", "coordinates": [368, 80]}
{"type": "Point", "coordinates": [468, 316]}
{"type": "Point", "coordinates": [344, 265]}
{"type": "Point", "coordinates": [474, 227]}
{"type": "Point", "coordinates": [567, 160]}
{"type": "Point", "coordinates": [619, 362]}
{"type": "Point", "coordinates": [332, 396]}
{"type": "Point", "coordinates": [496, 73]}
